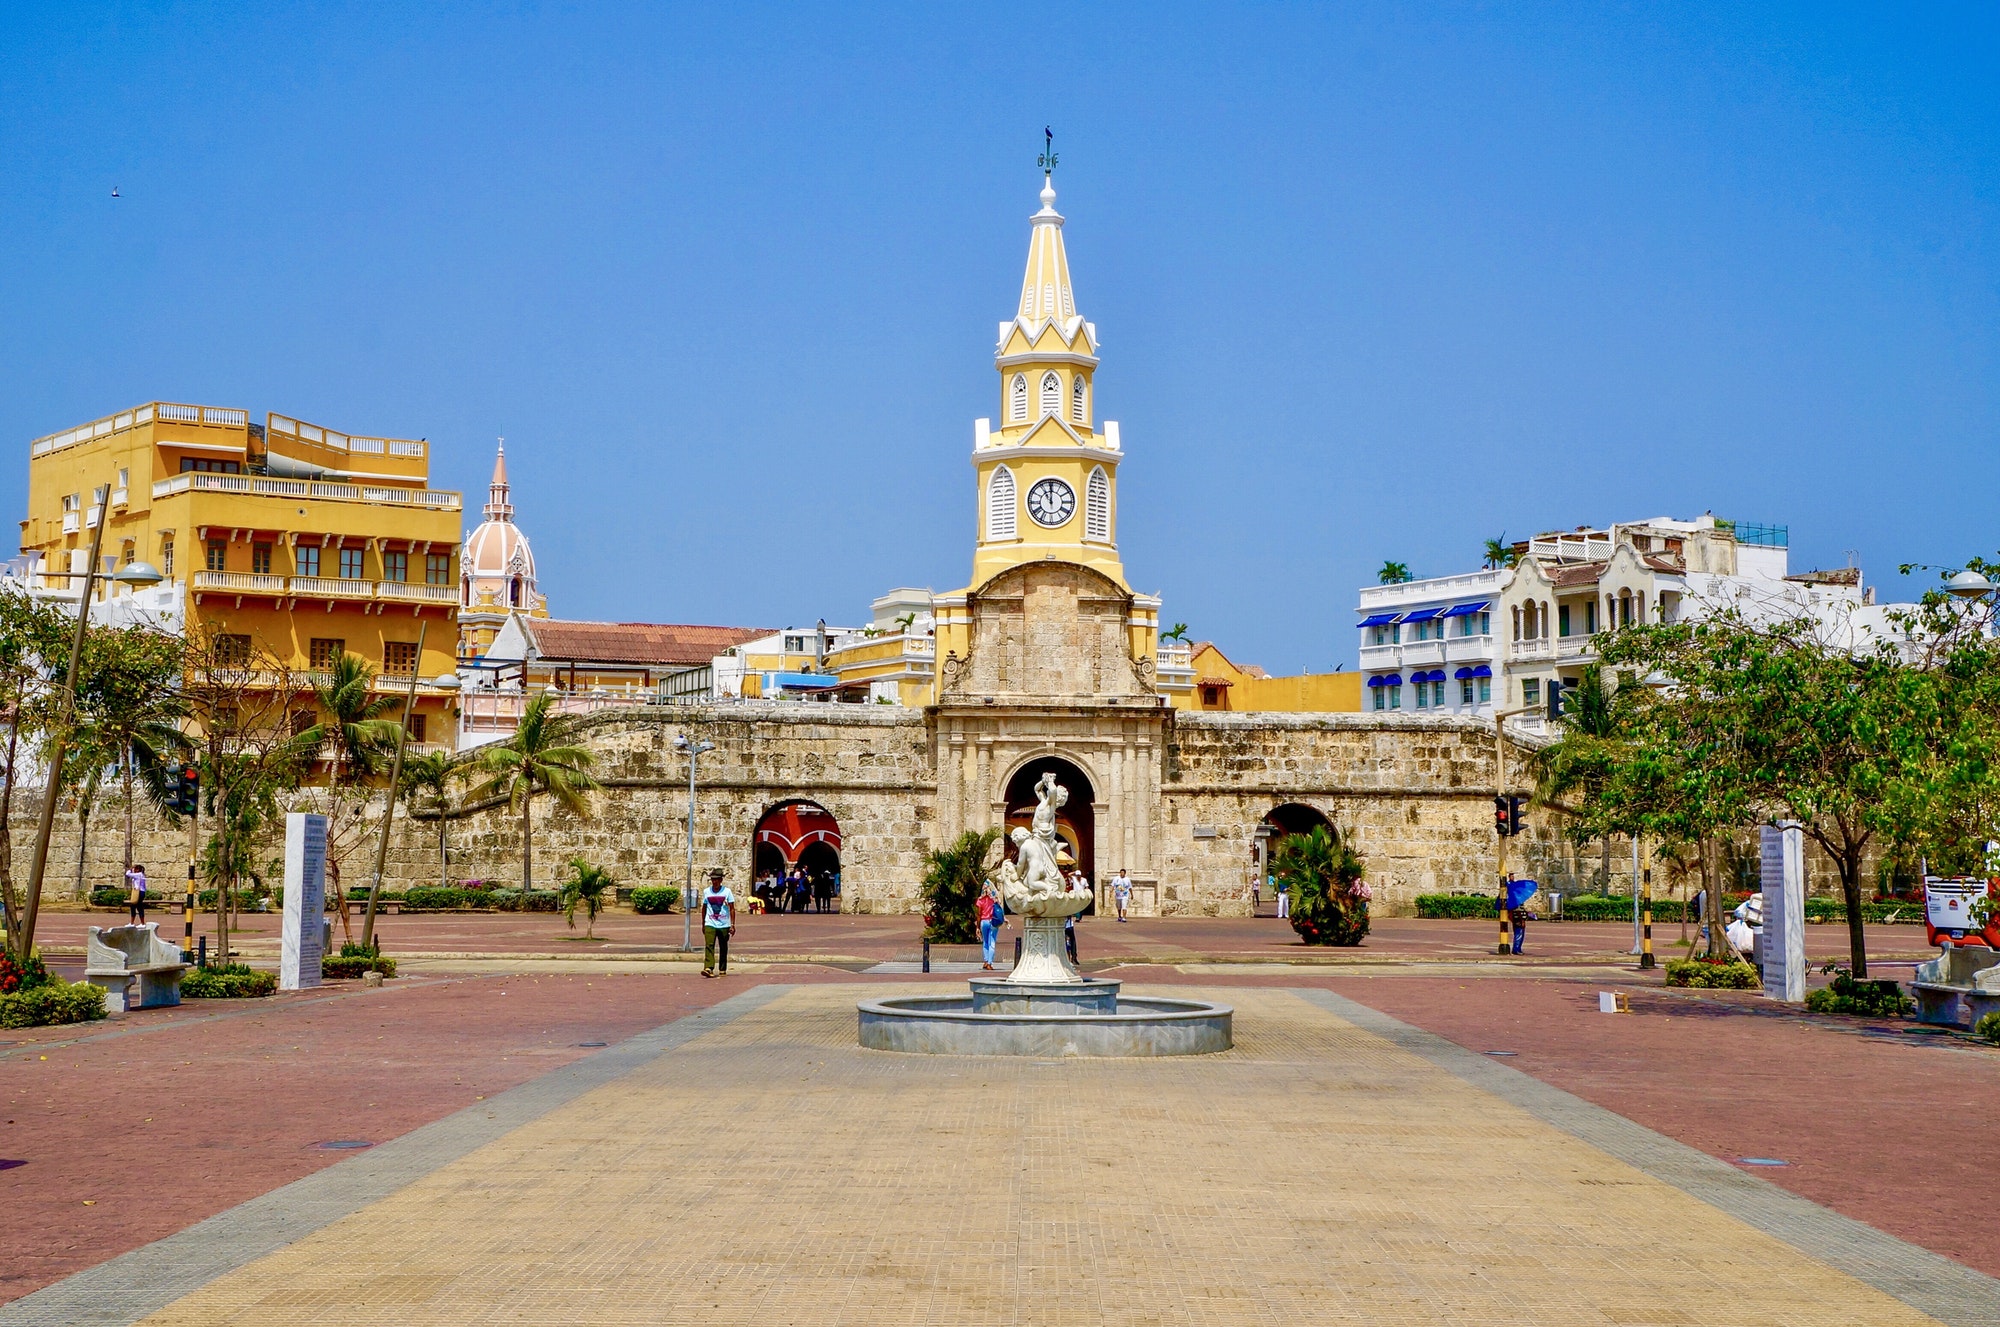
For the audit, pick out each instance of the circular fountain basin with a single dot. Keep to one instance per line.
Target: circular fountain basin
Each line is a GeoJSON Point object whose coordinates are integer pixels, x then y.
{"type": "Point", "coordinates": [1092, 995]}
{"type": "Point", "coordinates": [1043, 1025]}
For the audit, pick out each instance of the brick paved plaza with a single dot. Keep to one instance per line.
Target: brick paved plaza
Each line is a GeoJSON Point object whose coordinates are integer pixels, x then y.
{"type": "Point", "coordinates": [1355, 1158]}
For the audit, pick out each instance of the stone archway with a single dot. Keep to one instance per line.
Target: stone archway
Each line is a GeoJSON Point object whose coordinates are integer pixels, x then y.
{"type": "Point", "coordinates": [1279, 823]}
{"type": "Point", "coordinates": [1076, 822]}
{"type": "Point", "coordinates": [796, 836]}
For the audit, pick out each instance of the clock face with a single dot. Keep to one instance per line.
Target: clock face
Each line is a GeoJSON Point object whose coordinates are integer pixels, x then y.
{"type": "Point", "coordinates": [1051, 502]}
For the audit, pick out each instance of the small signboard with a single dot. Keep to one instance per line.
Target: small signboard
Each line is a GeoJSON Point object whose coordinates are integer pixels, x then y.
{"type": "Point", "coordinates": [1781, 946]}
{"type": "Point", "coordinates": [305, 901]}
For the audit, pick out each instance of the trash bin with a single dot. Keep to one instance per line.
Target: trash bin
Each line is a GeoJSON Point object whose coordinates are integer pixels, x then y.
{"type": "Point", "coordinates": [1555, 907]}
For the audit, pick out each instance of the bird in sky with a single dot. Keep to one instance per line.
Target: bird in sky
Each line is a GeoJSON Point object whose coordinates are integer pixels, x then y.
{"type": "Point", "coordinates": [114, 191]}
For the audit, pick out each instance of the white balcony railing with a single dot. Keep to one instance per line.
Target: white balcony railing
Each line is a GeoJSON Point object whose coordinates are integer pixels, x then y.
{"type": "Point", "coordinates": [72, 522]}
{"type": "Point", "coordinates": [258, 486]}
{"type": "Point", "coordinates": [92, 517]}
{"type": "Point", "coordinates": [121, 497]}
{"type": "Point", "coordinates": [416, 594]}
{"type": "Point", "coordinates": [1530, 649]}
{"type": "Point", "coordinates": [238, 580]}
{"type": "Point", "coordinates": [221, 416]}
{"type": "Point", "coordinates": [331, 587]}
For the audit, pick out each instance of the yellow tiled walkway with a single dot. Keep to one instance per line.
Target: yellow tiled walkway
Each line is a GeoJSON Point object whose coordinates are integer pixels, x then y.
{"type": "Point", "coordinates": [771, 1172]}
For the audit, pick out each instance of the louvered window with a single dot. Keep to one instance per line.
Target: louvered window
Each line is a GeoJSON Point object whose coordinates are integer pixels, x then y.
{"type": "Point", "coordinates": [1069, 302]}
{"type": "Point", "coordinates": [1000, 504]}
{"type": "Point", "coordinates": [1048, 301]}
{"type": "Point", "coordinates": [1097, 507]}
{"type": "Point", "coordinates": [1076, 398]}
{"type": "Point", "coordinates": [1020, 405]}
{"type": "Point", "coordinates": [1051, 393]}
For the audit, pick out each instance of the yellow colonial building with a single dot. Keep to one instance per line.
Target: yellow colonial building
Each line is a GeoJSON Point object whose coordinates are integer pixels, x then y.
{"type": "Point", "coordinates": [301, 540]}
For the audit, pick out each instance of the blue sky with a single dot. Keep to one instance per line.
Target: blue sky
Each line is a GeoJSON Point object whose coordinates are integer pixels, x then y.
{"type": "Point", "coordinates": [1372, 281]}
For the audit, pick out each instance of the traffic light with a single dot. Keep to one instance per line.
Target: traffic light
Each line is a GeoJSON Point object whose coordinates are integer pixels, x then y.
{"type": "Point", "coordinates": [1500, 817]}
{"type": "Point", "coordinates": [184, 793]}
{"type": "Point", "coordinates": [1515, 805]}
{"type": "Point", "coordinates": [1556, 688]}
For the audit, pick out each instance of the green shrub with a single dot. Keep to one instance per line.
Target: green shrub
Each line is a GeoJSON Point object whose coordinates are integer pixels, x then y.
{"type": "Point", "coordinates": [359, 894]}
{"type": "Point", "coordinates": [1454, 905]}
{"type": "Point", "coordinates": [445, 896]}
{"type": "Point", "coordinates": [1700, 972]}
{"type": "Point", "coordinates": [537, 900]}
{"type": "Point", "coordinates": [231, 981]}
{"type": "Point", "coordinates": [1865, 999]}
{"type": "Point", "coordinates": [346, 966]}
{"type": "Point", "coordinates": [108, 896]}
{"type": "Point", "coordinates": [649, 899]}
{"type": "Point", "coordinates": [1612, 908]}
{"type": "Point", "coordinates": [1989, 1028]}
{"type": "Point", "coordinates": [951, 885]}
{"type": "Point", "coordinates": [53, 1001]}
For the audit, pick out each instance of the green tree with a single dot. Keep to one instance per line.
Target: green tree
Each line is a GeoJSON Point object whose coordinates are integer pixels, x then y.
{"type": "Point", "coordinates": [129, 711]}
{"type": "Point", "coordinates": [34, 645]}
{"type": "Point", "coordinates": [1500, 553]}
{"type": "Point", "coordinates": [1394, 573]}
{"type": "Point", "coordinates": [427, 779]}
{"type": "Point", "coordinates": [1329, 902]}
{"type": "Point", "coordinates": [1179, 633]}
{"type": "Point", "coordinates": [951, 886]}
{"type": "Point", "coordinates": [585, 888]}
{"type": "Point", "coordinates": [541, 756]}
{"type": "Point", "coordinates": [1589, 731]}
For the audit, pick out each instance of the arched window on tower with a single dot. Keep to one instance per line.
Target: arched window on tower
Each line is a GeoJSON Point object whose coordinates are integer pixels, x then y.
{"type": "Point", "coordinates": [1000, 504]}
{"type": "Point", "coordinates": [1097, 506]}
{"type": "Point", "coordinates": [1019, 408]}
{"type": "Point", "coordinates": [1051, 393]}
{"type": "Point", "coordinates": [514, 592]}
{"type": "Point", "coordinates": [1076, 398]}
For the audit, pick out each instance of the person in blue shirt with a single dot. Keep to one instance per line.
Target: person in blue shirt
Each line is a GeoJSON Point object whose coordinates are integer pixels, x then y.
{"type": "Point", "coordinates": [718, 919]}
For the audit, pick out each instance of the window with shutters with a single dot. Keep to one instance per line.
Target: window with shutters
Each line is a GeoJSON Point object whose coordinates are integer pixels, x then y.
{"type": "Point", "coordinates": [324, 652]}
{"type": "Point", "coordinates": [1048, 300]}
{"type": "Point", "coordinates": [1097, 506]}
{"type": "Point", "coordinates": [1076, 398]}
{"type": "Point", "coordinates": [232, 651]}
{"type": "Point", "coordinates": [399, 658]}
{"type": "Point", "coordinates": [1019, 408]}
{"type": "Point", "coordinates": [218, 555]}
{"type": "Point", "coordinates": [166, 557]}
{"type": "Point", "coordinates": [260, 559]}
{"type": "Point", "coordinates": [395, 566]}
{"type": "Point", "coordinates": [416, 727]}
{"type": "Point", "coordinates": [1051, 393]}
{"type": "Point", "coordinates": [437, 568]}
{"type": "Point", "coordinates": [1000, 504]}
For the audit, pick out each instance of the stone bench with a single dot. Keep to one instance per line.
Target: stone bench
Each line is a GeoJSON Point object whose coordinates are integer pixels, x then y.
{"type": "Point", "coordinates": [116, 956]}
{"type": "Point", "coordinates": [1958, 987]}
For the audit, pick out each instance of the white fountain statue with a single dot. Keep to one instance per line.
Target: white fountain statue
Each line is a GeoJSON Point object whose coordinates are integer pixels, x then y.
{"type": "Point", "coordinates": [1033, 887]}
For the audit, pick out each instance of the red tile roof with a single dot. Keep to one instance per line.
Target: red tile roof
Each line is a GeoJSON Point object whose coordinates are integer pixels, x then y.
{"type": "Point", "coordinates": [635, 642]}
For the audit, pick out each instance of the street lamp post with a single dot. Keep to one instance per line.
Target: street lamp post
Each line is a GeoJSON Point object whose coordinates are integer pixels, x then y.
{"type": "Point", "coordinates": [134, 575]}
{"type": "Point", "coordinates": [693, 750]}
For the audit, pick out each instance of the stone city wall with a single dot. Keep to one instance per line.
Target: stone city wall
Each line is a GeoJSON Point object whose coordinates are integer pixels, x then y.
{"type": "Point", "coordinates": [1414, 794]}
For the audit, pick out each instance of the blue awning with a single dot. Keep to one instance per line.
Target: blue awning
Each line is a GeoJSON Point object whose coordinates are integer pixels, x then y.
{"type": "Point", "coordinates": [1375, 682]}
{"type": "Point", "coordinates": [1464, 673]}
{"type": "Point", "coordinates": [801, 681]}
{"type": "Point", "coordinates": [1379, 619]}
{"type": "Point", "coordinates": [1434, 675]}
{"type": "Point", "coordinates": [1461, 610]}
{"type": "Point", "coordinates": [1421, 615]}
{"type": "Point", "coordinates": [1392, 679]}
{"type": "Point", "coordinates": [1482, 671]}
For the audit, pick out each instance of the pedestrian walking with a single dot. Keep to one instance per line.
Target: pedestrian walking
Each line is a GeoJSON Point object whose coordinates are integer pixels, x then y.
{"type": "Point", "coordinates": [991, 912]}
{"type": "Point", "coordinates": [717, 921]}
{"type": "Point", "coordinates": [135, 894]}
{"type": "Point", "coordinates": [1700, 906]}
{"type": "Point", "coordinates": [1121, 892]}
{"type": "Point", "coordinates": [1069, 937]}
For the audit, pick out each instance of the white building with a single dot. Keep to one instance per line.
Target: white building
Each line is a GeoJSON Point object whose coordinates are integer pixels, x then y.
{"type": "Point", "coordinates": [1496, 638]}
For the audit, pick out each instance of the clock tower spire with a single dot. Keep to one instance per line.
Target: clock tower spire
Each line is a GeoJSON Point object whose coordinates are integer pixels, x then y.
{"type": "Point", "coordinates": [1048, 472]}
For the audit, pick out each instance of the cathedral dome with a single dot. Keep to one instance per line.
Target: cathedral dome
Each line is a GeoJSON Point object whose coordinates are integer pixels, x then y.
{"type": "Point", "coordinates": [497, 566]}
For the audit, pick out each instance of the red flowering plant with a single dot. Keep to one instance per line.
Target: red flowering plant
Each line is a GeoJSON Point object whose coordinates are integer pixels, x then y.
{"type": "Point", "coordinates": [1329, 900]}
{"type": "Point", "coordinates": [16, 975]}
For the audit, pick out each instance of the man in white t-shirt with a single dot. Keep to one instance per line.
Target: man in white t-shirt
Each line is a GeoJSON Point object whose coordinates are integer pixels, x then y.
{"type": "Point", "coordinates": [717, 921]}
{"type": "Point", "coordinates": [1121, 892]}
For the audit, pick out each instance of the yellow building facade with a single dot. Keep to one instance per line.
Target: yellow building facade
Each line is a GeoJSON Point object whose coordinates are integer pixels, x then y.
{"type": "Point", "coordinates": [304, 540]}
{"type": "Point", "coordinates": [1221, 685]}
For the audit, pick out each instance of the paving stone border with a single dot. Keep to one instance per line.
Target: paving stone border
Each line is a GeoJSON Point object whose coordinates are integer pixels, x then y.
{"type": "Point", "coordinates": [1928, 1282]}
{"type": "Point", "coordinates": [131, 1286]}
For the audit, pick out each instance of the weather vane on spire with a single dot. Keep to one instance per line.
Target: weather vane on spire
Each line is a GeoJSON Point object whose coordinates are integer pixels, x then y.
{"type": "Point", "coordinates": [1047, 161]}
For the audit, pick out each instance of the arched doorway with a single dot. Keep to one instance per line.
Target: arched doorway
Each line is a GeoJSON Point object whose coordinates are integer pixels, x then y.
{"type": "Point", "coordinates": [1279, 823]}
{"type": "Point", "coordinates": [1076, 822]}
{"type": "Point", "coordinates": [796, 840]}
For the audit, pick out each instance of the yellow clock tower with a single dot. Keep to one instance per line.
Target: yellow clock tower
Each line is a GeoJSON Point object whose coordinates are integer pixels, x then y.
{"type": "Point", "coordinates": [1048, 475]}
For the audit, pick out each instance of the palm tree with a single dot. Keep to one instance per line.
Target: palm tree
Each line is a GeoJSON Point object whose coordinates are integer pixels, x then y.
{"type": "Point", "coordinates": [587, 887]}
{"type": "Point", "coordinates": [1179, 633]}
{"type": "Point", "coordinates": [1500, 553]}
{"type": "Point", "coordinates": [541, 756]}
{"type": "Point", "coordinates": [429, 777]}
{"type": "Point", "coordinates": [1394, 573]}
{"type": "Point", "coordinates": [353, 727]}
{"type": "Point", "coordinates": [951, 887]}
{"type": "Point", "coordinates": [1323, 873]}
{"type": "Point", "coordinates": [1591, 719]}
